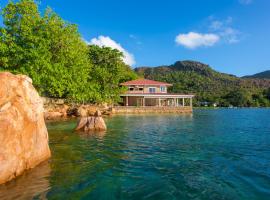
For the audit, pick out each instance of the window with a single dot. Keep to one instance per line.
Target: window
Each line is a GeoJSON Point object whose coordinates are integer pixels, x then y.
{"type": "Point", "coordinates": [140, 89]}
{"type": "Point", "coordinates": [131, 89]}
{"type": "Point", "coordinates": [152, 90]}
{"type": "Point", "coordinates": [162, 89]}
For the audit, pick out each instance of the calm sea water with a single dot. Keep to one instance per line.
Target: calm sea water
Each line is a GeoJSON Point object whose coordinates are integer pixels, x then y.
{"type": "Point", "coordinates": [212, 154]}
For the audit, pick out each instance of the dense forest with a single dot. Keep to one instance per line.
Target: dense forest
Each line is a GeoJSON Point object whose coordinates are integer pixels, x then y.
{"type": "Point", "coordinates": [52, 52]}
{"type": "Point", "coordinates": [210, 86]}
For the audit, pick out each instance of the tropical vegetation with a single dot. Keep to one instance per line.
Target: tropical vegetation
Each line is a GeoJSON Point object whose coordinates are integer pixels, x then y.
{"type": "Point", "coordinates": [210, 86]}
{"type": "Point", "coordinates": [62, 65]}
{"type": "Point", "coordinates": [52, 52]}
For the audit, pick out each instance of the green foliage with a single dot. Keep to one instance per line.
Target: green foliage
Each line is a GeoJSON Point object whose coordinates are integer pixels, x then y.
{"type": "Point", "coordinates": [267, 93]}
{"type": "Point", "coordinates": [51, 51]}
{"type": "Point", "coordinates": [208, 85]}
{"type": "Point", "coordinates": [109, 71]}
{"type": "Point", "coordinates": [239, 97]}
{"type": "Point", "coordinates": [46, 48]}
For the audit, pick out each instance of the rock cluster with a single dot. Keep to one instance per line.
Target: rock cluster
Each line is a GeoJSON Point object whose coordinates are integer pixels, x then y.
{"type": "Point", "coordinates": [92, 123]}
{"type": "Point", "coordinates": [23, 134]}
{"type": "Point", "coordinates": [56, 109]}
{"type": "Point", "coordinates": [57, 112]}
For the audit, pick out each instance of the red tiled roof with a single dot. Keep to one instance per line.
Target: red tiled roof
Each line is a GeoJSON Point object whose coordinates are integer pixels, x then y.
{"type": "Point", "coordinates": [145, 82]}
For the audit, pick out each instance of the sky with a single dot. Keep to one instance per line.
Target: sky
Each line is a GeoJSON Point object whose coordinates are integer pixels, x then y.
{"type": "Point", "coordinates": [232, 36]}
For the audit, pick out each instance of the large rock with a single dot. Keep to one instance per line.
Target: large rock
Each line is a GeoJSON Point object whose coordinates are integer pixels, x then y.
{"type": "Point", "coordinates": [93, 123]}
{"type": "Point", "coordinates": [23, 134]}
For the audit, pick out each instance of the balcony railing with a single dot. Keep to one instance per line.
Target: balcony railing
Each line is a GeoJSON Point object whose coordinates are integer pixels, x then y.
{"type": "Point", "coordinates": [135, 92]}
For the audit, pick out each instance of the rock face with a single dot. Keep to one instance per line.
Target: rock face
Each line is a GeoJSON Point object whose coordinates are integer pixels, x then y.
{"type": "Point", "coordinates": [23, 134]}
{"type": "Point", "coordinates": [93, 123]}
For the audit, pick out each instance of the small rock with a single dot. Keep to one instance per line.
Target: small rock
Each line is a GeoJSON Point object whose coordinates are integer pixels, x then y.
{"type": "Point", "coordinates": [94, 123]}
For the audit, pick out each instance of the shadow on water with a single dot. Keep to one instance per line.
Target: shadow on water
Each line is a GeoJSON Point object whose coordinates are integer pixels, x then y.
{"type": "Point", "coordinates": [32, 184]}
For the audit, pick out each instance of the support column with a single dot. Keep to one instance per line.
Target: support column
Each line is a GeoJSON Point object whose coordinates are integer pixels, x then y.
{"type": "Point", "coordinates": [174, 102]}
{"type": "Point", "coordinates": [183, 102]}
{"type": "Point", "coordinates": [177, 102]}
{"type": "Point", "coordinates": [126, 100]}
{"type": "Point", "coordinates": [159, 102]}
{"type": "Point", "coordinates": [143, 101]}
{"type": "Point", "coordinates": [191, 102]}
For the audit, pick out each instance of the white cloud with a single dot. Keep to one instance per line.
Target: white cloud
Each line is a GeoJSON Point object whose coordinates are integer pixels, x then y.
{"type": "Point", "coordinates": [221, 31]}
{"type": "Point", "coordinates": [224, 29]}
{"type": "Point", "coordinates": [193, 40]}
{"type": "Point", "coordinates": [108, 42]}
{"type": "Point", "coordinates": [230, 35]}
{"type": "Point", "coordinates": [245, 2]}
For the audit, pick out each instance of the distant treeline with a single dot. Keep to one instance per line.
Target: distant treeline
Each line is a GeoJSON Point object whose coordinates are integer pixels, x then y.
{"type": "Point", "coordinates": [52, 52]}
{"type": "Point", "coordinates": [209, 86]}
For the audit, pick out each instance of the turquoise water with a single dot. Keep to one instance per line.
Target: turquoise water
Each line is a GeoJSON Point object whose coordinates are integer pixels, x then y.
{"type": "Point", "coordinates": [212, 154]}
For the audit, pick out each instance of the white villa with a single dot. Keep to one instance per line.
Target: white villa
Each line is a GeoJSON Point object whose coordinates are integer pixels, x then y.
{"type": "Point", "coordinates": [149, 93]}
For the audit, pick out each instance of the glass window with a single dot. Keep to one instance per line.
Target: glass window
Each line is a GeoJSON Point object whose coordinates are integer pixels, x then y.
{"type": "Point", "coordinates": [162, 89]}
{"type": "Point", "coordinates": [152, 90]}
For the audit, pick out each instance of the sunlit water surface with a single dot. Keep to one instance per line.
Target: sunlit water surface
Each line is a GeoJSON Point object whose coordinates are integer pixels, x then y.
{"type": "Point", "coordinates": [212, 154]}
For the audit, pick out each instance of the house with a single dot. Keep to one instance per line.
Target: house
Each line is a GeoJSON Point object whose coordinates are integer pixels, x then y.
{"type": "Point", "coordinates": [144, 92]}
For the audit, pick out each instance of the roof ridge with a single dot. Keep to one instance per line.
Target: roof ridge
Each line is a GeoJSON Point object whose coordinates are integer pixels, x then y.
{"type": "Point", "coordinates": [143, 81]}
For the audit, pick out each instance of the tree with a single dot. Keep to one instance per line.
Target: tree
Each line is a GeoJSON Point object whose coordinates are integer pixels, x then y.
{"type": "Point", "coordinates": [47, 49]}
{"type": "Point", "coordinates": [108, 71]}
{"type": "Point", "coordinates": [239, 97]}
{"type": "Point", "coordinates": [267, 93]}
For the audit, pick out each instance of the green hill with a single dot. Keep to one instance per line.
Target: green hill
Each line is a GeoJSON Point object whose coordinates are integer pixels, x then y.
{"type": "Point", "coordinates": [261, 75]}
{"type": "Point", "coordinates": [209, 85]}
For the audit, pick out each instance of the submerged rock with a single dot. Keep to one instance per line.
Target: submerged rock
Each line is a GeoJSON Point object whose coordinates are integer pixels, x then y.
{"type": "Point", "coordinates": [23, 134]}
{"type": "Point", "coordinates": [92, 123]}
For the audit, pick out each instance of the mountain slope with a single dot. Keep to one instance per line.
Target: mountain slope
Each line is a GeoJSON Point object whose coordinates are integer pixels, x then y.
{"type": "Point", "coordinates": [261, 75]}
{"type": "Point", "coordinates": [208, 84]}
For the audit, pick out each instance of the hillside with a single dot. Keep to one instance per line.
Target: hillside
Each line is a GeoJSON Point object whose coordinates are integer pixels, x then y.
{"type": "Point", "coordinates": [208, 84]}
{"type": "Point", "coordinates": [261, 75]}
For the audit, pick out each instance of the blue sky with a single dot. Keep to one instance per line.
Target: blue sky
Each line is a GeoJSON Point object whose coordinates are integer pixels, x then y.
{"type": "Point", "coordinates": [232, 36]}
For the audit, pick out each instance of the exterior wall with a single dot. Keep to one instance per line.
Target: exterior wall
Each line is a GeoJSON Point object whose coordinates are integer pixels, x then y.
{"type": "Point", "coordinates": [146, 89]}
{"type": "Point", "coordinates": [143, 110]}
{"type": "Point", "coordinates": [133, 101]}
{"type": "Point", "coordinates": [165, 102]}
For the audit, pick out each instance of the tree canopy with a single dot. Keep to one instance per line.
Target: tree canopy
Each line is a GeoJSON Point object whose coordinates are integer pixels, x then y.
{"type": "Point", "coordinates": [108, 70]}
{"type": "Point", "coordinates": [51, 51]}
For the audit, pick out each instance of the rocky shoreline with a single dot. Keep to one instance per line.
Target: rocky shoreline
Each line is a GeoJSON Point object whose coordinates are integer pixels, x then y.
{"type": "Point", "coordinates": [57, 109]}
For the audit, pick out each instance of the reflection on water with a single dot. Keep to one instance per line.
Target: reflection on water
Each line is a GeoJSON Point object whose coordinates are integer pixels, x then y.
{"type": "Point", "coordinates": [89, 134]}
{"type": "Point", "coordinates": [33, 183]}
{"type": "Point", "coordinates": [212, 154]}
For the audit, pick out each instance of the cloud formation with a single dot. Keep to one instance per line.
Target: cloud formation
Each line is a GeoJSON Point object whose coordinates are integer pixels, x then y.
{"type": "Point", "coordinates": [193, 40]}
{"type": "Point", "coordinates": [218, 31]}
{"type": "Point", "coordinates": [108, 42]}
{"type": "Point", "coordinates": [224, 29]}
